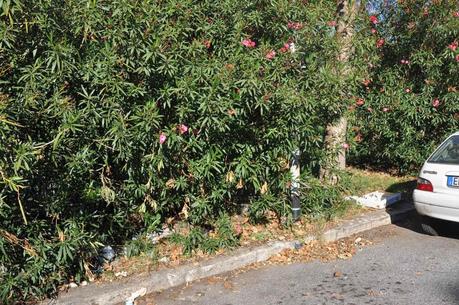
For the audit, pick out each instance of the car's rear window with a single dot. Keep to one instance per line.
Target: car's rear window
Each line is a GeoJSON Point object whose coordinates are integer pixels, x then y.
{"type": "Point", "coordinates": [447, 153]}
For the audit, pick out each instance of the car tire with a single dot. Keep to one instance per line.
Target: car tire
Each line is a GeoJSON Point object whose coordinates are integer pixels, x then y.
{"type": "Point", "coordinates": [429, 226]}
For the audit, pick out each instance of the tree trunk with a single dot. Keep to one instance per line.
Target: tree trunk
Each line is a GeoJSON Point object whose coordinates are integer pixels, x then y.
{"type": "Point", "coordinates": [335, 136]}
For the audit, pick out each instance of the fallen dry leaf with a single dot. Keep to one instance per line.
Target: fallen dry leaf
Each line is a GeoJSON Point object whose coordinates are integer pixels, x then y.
{"type": "Point", "coordinates": [228, 285]}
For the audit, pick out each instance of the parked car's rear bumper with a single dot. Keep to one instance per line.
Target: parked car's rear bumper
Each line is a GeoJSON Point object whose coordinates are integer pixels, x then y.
{"type": "Point", "coordinates": [441, 206]}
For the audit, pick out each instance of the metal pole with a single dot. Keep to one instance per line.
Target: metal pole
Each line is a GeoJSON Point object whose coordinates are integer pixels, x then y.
{"type": "Point", "coordinates": [295, 186]}
{"type": "Point", "coordinates": [295, 172]}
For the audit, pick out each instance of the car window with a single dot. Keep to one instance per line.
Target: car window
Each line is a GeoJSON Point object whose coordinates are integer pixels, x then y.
{"type": "Point", "coordinates": [447, 153]}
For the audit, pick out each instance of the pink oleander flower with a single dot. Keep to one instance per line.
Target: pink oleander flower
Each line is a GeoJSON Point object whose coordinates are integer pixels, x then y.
{"type": "Point", "coordinates": [162, 138]}
{"type": "Point", "coordinates": [453, 46]}
{"type": "Point", "coordinates": [407, 90]}
{"type": "Point", "coordinates": [182, 128]}
{"type": "Point", "coordinates": [385, 109]}
{"type": "Point", "coordinates": [248, 43]}
{"type": "Point", "coordinates": [373, 31]}
{"type": "Point", "coordinates": [346, 146]}
{"type": "Point", "coordinates": [285, 48]}
{"type": "Point", "coordinates": [207, 43]}
{"type": "Point", "coordinates": [405, 62]}
{"type": "Point", "coordinates": [331, 23]}
{"type": "Point", "coordinates": [360, 102]}
{"type": "Point", "coordinates": [294, 25]}
{"type": "Point", "coordinates": [270, 55]}
{"type": "Point", "coordinates": [456, 14]}
{"type": "Point", "coordinates": [436, 103]}
{"type": "Point", "coordinates": [457, 57]}
{"type": "Point", "coordinates": [374, 19]}
{"type": "Point", "coordinates": [380, 43]}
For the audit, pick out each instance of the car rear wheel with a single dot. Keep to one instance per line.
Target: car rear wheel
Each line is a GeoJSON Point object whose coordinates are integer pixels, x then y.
{"type": "Point", "coordinates": [429, 226]}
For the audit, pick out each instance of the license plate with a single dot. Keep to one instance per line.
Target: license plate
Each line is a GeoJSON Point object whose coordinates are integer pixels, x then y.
{"type": "Point", "coordinates": [453, 181]}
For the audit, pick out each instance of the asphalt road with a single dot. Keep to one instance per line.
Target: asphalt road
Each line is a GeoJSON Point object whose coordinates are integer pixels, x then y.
{"type": "Point", "coordinates": [402, 266]}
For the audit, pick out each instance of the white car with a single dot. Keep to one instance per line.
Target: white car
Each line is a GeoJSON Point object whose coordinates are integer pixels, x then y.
{"type": "Point", "coordinates": [437, 190]}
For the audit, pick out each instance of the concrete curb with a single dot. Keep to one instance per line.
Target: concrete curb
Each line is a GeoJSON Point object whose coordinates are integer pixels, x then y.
{"type": "Point", "coordinates": [119, 291]}
{"type": "Point", "coordinates": [367, 222]}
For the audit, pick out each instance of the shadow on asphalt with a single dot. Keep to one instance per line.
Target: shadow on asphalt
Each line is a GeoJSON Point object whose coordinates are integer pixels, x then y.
{"type": "Point", "coordinates": [445, 228]}
{"type": "Point", "coordinates": [454, 291]}
{"type": "Point", "coordinates": [413, 220]}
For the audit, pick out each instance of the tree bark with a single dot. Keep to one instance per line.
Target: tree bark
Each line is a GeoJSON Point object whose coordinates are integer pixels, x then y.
{"type": "Point", "coordinates": [335, 135]}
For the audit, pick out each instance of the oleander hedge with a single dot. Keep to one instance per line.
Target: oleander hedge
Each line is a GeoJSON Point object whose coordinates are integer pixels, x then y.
{"type": "Point", "coordinates": [411, 94]}
{"type": "Point", "coordinates": [117, 115]}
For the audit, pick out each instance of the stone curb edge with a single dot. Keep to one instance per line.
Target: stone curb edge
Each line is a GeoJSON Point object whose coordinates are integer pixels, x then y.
{"type": "Point", "coordinates": [119, 291]}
